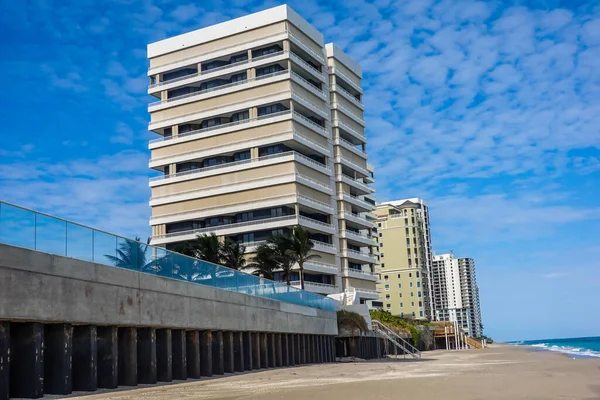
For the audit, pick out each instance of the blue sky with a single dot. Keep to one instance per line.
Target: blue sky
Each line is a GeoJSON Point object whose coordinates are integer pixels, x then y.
{"type": "Point", "coordinates": [489, 110]}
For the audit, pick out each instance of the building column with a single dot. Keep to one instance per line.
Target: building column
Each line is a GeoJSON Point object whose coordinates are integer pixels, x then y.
{"type": "Point", "coordinates": [58, 358]}
{"type": "Point", "coordinates": [206, 353]}
{"type": "Point", "coordinates": [353, 349]}
{"type": "Point", "coordinates": [108, 357]}
{"type": "Point", "coordinates": [310, 359]}
{"type": "Point", "coordinates": [192, 354]}
{"type": "Point", "coordinates": [238, 351]}
{"type": "Point", "coordinates": [320, 349]}
{"type": "Point", "coordinates": [291, 349]}
{"type": "Point", "coordinates": [285, 349]}
{"type": "Point", "coordinates": [85, 361]}
{"type": "Point", "coordinates": [278, 350]}
{"type": "Point", "coordinates": [127, 356]}
{"type": "Point", "coordinates": [178, 348]}
{"type": "Point", "coordinates": [146, 355]}
{"type": "Point", "coordinates": [303, 349]}
{"type": "Point", "coordinates": [256, 364]}
{"type": "Point", "coordinates": [164, 355]}
{"type": "Point", "coordinates": [228, 363]}
{"type": "Point", "coordinates": [271, 350]}
{"type": "Point", "coordinates": [26, 360]}
{"type": "Point", "coordinates": [218, 353]}
{"type": "Point", "coordinates": [264, 353]}
{"type": "Point", "coordinates": [248, 350]}
{"type": "Point", "coordinates": [4, 360]}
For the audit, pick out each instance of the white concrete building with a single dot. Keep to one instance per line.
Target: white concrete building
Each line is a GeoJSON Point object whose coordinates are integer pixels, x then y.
{"type": "Point", "coordinates": [455, 292]}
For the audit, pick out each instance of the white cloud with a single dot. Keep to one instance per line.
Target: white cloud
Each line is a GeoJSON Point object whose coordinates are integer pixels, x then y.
{"type": "Point", "coordinates": [554, 275]}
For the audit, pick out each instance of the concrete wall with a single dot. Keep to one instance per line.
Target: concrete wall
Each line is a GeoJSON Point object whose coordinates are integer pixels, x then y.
{"type": "Point", "coordinates": [41, 287]}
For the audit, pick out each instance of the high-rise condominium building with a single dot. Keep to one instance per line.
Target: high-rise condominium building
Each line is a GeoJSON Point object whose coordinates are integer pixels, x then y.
{"type": "Point", "coordinates": [260, 128]}
{"type": "Point", "coordinates": [405, 254]}
{"type": "Point", "coordinates": [456, 293]}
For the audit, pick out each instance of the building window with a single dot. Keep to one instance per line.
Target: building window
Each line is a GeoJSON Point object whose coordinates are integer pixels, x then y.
{"type": "Point", "coordinates": [412, 294]}
{"type": "Point", "coordinates": [410, 274]}
{"type": "Point", "coordinates": [421, 304]}
{"type": "Point", "coordinates": [387, 296]}
{"type": "Point", "coordinates": [238, 77]}
{"type": "Point", "coordinates": [401, 305]}
{"type": "Point", "coordinates": [413, 313]}
{"type": "Point", "coordinates": [418, 275]}
{"type": "Point", "coordinates": [239, 58]}
{"type": "Point", "coordinates": [385, 278]}
{"type": "Point", "coordinates": [411, 284]}
{"type": "Point", "coordinates": [412, 303]}
{"type": "Point", "coordinates": [382, 265]}
{"type": "Point", "coordinates": [381, 255]}
{"type": "Point", "coordinates": [388, 306]}
{"type": "Point", "coordinates": [420, 313]}
{"type": "Point", "coordinates": [380, 234]}
{"type": "Point", "coordinates": [387, 287]}
{"type": "Point", "coordinates": [418, 284]}
{"type": "Point", "coordinates": [240, 116]}
{"type": "Point", "coordinates": [271, 109]}
{"type": "Point", "coordinates": [271, 69]}
{"type": "Point", "coordinates": [400, 293]}
{"type": "Point", "coordinates": [398, 276]}
{"type": "Point", "coordinates": [381, 244]}
{"type": "Point", "coordinates": [379, 224]}
{"type": "Point", "coordinates": [419, 293]}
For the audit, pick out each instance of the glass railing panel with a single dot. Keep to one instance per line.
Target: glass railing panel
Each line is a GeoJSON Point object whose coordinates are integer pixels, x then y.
{"type": "Point", "coordinates": [50, 235]}
{"type": "Point", "coordinates": [17, 226]}
{"type": "Point", "coordinates": [80, 242]}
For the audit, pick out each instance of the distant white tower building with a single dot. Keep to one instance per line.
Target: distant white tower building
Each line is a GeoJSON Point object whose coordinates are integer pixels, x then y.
{"type": "Point", "coordinates": [455, 292]}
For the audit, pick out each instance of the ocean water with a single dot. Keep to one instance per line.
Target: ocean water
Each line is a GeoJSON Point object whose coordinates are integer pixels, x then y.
{"type": "Point", "coordinates": [586, 347]}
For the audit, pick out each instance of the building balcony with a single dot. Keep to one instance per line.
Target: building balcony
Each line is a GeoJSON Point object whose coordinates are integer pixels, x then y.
{"type": "Point", "coordinates": [367, 294]}
{"type": "Point", "coordinates": [318, 56]}
{"type": "Point", "coordinates": [309, 86]}
{"type": "Point", "coordinates": [348, 96]}
{"type": "Point", "coordinates": [355, 183]}
{"type": "Point", "coordinates": [316, 225]}
{"type": "Point", "coordinates": [238, 166]}
{"type": "Point", "coordinates": [215, 72]}
{"type": "Point", "coordinates": [219, 90]}
{"type": "Point", "coordinates": [336, 123]}
{"type": "Point", "coordinates": [346, 79]}
{"type": "Point", "coordinates": [311, 124]}
{"type": "Point", "coordinates": [228, 230]}
{"type": "Point", "coordinates": [362, 170]}
{"type": "Point", "coordinates": [220, 129]}
{"type": "Point", "coordinates": [290, 138]}
{"type": "Point", "coordinates": [322, 76]}
{"type": "Point", "coordinates": [359, 274]}
{"type": "Point", "coordinates": [324, 268]}
{"type": "Point", "coordinates": [350, 146]}
{"type": "Point", "coordinates": [357, 219]}
{"type": "Point", "coordinates": [324, 247]}
{"type": "Point", "coordinates": [361, 257]}
{"type": "Point", "coordinates": [358, 237]}
{"type": "Point", "coordinates": [349, 113]}
{"type": "Point", "coordinates": [319, 109]}
{"type": "Point", "coordinates": [356, 201]}
{"type": "Point", "coordinates": [315, 287]}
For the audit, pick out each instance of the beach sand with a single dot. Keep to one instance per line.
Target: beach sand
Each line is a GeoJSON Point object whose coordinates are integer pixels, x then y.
{"type": "Point", "coordinates": [498, 372]}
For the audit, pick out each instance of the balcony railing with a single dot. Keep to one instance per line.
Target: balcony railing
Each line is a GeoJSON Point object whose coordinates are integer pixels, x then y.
{"type": "Point", "coordinates": [347, 79]}
{"type": "Point", "coordinates": [350, 97]}
{"type": "Point", "coordinates": [313, 284]}
{"type": "Point", "coordinates": [355, 166]}
{"type": "Point", "coordinates": [350, 146]}
{"type": "Point", "coordinates": [365, 204]}
{"type": "Point", "coordinates": [316, 202]}
{"type": "Point", "coordinates": [332, 267]}
{"type": "Point", "coordinates": [318, 109]}
{"type": "Point", "coordinates": [221, 68]}
{"type": "Point", "coordinates": [313, 123]}
{"type": "Point", "coordinates": [354, 182]}
{"type": "Point", "coordinates": [313, 181]}
{"type": "Point", "coordinates": [300, 61]}
{"type": "Point", "coordinates": [359, 253]}
{"type": "Point", "coordinates": [350, 130]}
{"type": "Point", "coordinates": [309, 86]}
{"type": "Point", "coordinates": [228, 226]}
{"type": "Point", "coordinates": [350, 113]}
{"type": "Point", "coordinates": [324, 245]}
{"type": "Point", "coordinates": [216, 88]}
{"type": "Point", "coordinates": [227, 125]}
{"type": "Point", "coordinates": [361, 272]}
{"type": "Point", "coordinates": [319, 57]}
{"type": "Point", "coordinates": [240, 162]}
{"type": "Point", "coordinates": [307, 220]}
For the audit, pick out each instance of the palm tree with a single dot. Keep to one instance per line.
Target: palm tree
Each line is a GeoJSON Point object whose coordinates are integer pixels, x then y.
{"type": "Point", "coordinates": [300, 250]}
{"type": "Point", "coordinates": [280, 247]}
{"type": "Point", "coordinates": [206, 247]}
{"type": "Point", "coordinates": [132, 255]}
{"type": "Point", "coordinates": [263, 263]}
{"type": "Point", "coordinates": [232, 254]}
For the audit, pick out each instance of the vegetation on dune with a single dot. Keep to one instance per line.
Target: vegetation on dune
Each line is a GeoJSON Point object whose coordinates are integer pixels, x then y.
{"type": "Point", "coordinates": [352, 321]}
{"type": "Point", "coordinates": [399, 324]}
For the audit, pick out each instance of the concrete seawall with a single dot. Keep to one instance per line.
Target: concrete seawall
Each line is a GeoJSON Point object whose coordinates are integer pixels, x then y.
{"type": "Point", "coordinates": [68, 325]}
{"type": "Point", "coordinates": [41, 287]}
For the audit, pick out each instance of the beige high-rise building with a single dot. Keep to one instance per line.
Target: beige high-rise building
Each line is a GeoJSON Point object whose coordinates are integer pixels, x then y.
{"type": "Point", "coordinates": [405, 254]}
{"type": "Point", "coordinates": [260, 128]}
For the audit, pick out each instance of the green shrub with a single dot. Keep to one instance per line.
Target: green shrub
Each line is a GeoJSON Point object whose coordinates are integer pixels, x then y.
{"type": "Point", "coordinates": [399, 324]}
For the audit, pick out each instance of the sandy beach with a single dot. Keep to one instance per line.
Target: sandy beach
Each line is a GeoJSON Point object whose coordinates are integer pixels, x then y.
{"type": "Point", "coordinates": [498, 372]}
